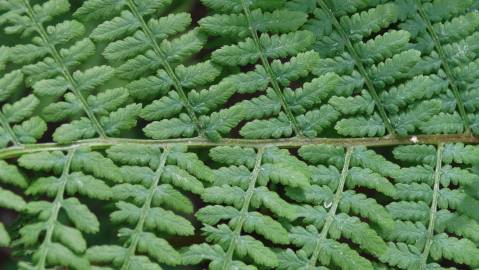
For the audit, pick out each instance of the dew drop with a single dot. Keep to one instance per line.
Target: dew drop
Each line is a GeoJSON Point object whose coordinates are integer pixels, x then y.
{"type": "Point", "coordinates": [327, 204]}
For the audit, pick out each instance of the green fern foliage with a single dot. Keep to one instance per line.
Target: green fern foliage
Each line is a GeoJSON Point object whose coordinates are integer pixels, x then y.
{"type": "Point", "coordinates": [387, 67]}
{"type": "Point", "coordinates": [152, 189]}
{"type": "Point", "coordinates": [395, 83]}
{"type": "Point", "coordinates": [19, 125]}
{"type": "Point", "coordinates": [10, 175]}
{"type": "Point", "coordinates": [54, 234]}
{"type": "Point", "coordinates": [434, 212]}
{"type": "Point", "coordinates": [333, 210]}
{"type": "Point", "coordinates": [446, 33]}
{"type": "Point", "coordinates": [239, 134]}
{"type": "Point", "coordinates": [264, 38]}
{"type": "Point", "coordinates": [238, 190]}
{"type": "Point", "coordinates": [51, 66]}
{"type": "Point", "coordinates": [176, 105]}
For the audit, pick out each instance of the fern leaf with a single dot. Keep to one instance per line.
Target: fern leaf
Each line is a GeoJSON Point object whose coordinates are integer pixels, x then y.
{"type": "Point", "coordinates": [244, 196]}
{"type": "Point", "coordinates": [122, 119]}
{"type": "Point", "coordinates": [58, 71]}
{"type": "Point", "coordinates": [181, 178]}
{"type": "Point", "coordinates": [213, 214]}
{"type": "Point", "coordinates": [458, 224]}
{"type": "Point", "coordinates": [462, 251]}
{"type": "Point", "coordinates": [323, 153]}
{"type": "Point", "coordinates": [290, 260]}
{"type": "Point", "coordinates": [334, 206]}
{"type": "Point", "coordinates": [32, 128]}
{"type": "Point", "coordinates": [142, 45]}
{"type": "Point", "coordinates": [358, 232]}
{"type": "Point", "coordinates": [409, 211]}
{"type": "Point", "coordinates": [234, 156]}
{"type": "Point", "coordinates": [361, 127]}
{"type": "Point", "coordinates": [142, 199]}
{"type": "Point", "coordinates": [156, 248]}
{"type": "Point", "coordinates": [309, 134]}
{"type": "Point", "coordinates": [402, 255]}
{"type": "Point", "coordinates": [60, 255]}
{"type": "Point", "coordinates": [369, 179]}
{"type": "Point", "coordinates": [62, 245]}
{"type": "Point", "coordinates": [11, 201]}
{"type": "Point", "coordinates": [409, 121]}
{"type": "Point", "coordinates": [4, 237]}
{"type": "Point", "coordinates": [383, 47]}
{"type": "Point", "coordinates": [75, 130]}
{"type": "Point", "coordinates": [215, 254]}
{"type": "Point", "coordinates": [263, 35]}
{"type": "Point", "coordinates": [443, 123]}
{"type": "Point", "coordinates": [350, 258]}
{"type": "Point", "coordinates": [262, 129]}
{"type": "Point", "coordinates": [416, 153]}
{"type": "Point", "coordinates": [222, 122]}
{"type": "Point", "coordinates": [364, 23]}
{"type": "Point", "coordinates": [271, 200]}
{"type": "Point", "coordinates": [157, 219]}
{"type": "Point", "coordinates": [170, 128]}
{"type": "Point", "coordinates": [224, 195]}
{"type": "Point", "coordinates": [353, 105]}
{"type": "Point", "coordinates": [81, 216]}
{"type": "Point", "coordinates": [366, 207]}
{"type": "Point", "coordinates": [460, 153]}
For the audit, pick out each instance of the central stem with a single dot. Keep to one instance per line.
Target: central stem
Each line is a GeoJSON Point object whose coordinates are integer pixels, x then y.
{"type": "Point", "coordinates": [332, 211]}
{"type": "Point", "coordinates": [64, 70]}
{"type": "Point", "coordinates": [244, 210]}
{"type": "Point", "coordinates": [362, 70]}
{"type": "Point", "coordinates": [98, 144]}
{"type": "Point", "coordinates": [144, 211]}
{"type": "Point", "coordinates": [284, 104]}
{"type": "Point", "coordinates": [57, 204]}
{"type": "Point", "coordinates": [4, 123]}
{"type": "Point", "coordinates": [433, 213]}
{"type": "Point", "coordinates": [169, 70]}
{"type": "Point", "coordinates": [445, 64]}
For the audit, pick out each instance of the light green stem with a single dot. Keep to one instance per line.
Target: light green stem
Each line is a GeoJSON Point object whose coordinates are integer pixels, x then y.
{"type": "Point", "coordinates": [445, 64]}
{"type": "Point", "coordinates": [433, 213]}
{"type": "Point", "coordinates": [4, 123]}
{"type": "Point", "coordinates": [57, 204]}
{"type": "Point", "coordinates": [332, 211]}
{"type": "Point", "coordinates": [169, 70]}
{"type": "Point", "coordinates": [244, 210]}
{"type": "Point", "coordinates": [274, 82]}
{"type": "Point", "coordinates": [198, 142]}
{"type": "Point", "coordinates": [144, 211]}
{"type": "Point", "coordinates": [362, 70]}
{"type": "Point", "coordinates": [64, 70]}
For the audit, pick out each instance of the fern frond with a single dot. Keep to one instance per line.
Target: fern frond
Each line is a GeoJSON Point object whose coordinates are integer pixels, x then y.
{"type": "Point", "coordinates": [375, 63]}
{"type": "Point", "coordinates": [239, 134]}
{"type": "Point", "coordinates": [262, 36]}
{"type": "Point", "coordinates": [19, 125]}
{"type": "Point", "coordinates": [335, 205]}
{"type": "Point", "coordinates": [445, 30]}
{"type": "Point", "coordinates": [434, 206]}
{"type": "Point", "coordinates": [52, 70]}
{"type": "Point", "coordinates": [152, 185]}
{"type": "Point", "coordinates": [51, 242]}
{"type": "Point", "coordinates": [141, 44]}
{"type": "Point", "coordinates": [10, 175]}
{"type": "Point", "coordinates": [241, 197]}
{"type": "Point", "coordinates": [390, 67]}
